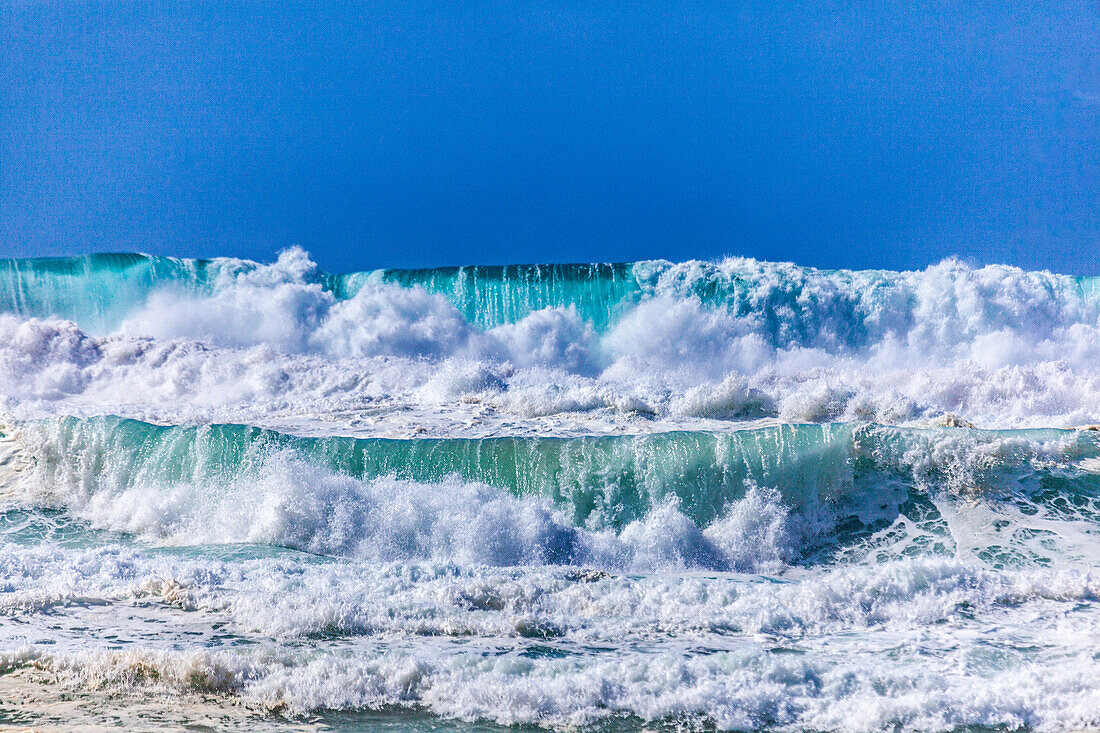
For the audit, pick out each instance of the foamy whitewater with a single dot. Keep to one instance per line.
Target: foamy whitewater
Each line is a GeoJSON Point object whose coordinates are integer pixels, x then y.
{"type": "Point", "coordinates": [737, 495]}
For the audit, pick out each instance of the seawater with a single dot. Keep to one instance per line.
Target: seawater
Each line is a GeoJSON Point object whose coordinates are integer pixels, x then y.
{"type": "Point", "coordinates": [736, 495]}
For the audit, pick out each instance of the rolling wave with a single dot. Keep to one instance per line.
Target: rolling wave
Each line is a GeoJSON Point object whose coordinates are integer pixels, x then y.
{"type": "Point", "coordinates": [788, 303]}
{"type": "Point", "coordinates": [734, 340]}
{"type": "Point", "coordinates": [749, 499]}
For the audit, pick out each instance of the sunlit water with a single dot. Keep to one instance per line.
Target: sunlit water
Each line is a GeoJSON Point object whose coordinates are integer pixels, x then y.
{"type": "Point", "coordinates": [732, 495]}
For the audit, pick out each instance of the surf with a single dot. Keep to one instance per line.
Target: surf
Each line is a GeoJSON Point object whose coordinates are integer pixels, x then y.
{"type": "Point", "coordinates": [745, 499]}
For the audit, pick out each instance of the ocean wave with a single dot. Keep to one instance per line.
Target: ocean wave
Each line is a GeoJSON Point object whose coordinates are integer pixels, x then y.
{"type": "Point", "coordinates": [749, 500]}
{"type": "Point", "coordinates": [734, 494]}
{"type": "Point", "coordinates": [228, 340]}
{"type": "Point", "coordinates": [788, 303]}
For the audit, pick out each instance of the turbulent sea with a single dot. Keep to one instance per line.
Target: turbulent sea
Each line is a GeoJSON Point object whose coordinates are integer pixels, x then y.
{"type": "Point", "coordinates": [664, 496]}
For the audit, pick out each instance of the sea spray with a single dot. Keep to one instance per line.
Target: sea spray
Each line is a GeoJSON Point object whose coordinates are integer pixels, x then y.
{"type": "Point", "coordinates": [732, 494]}
{"type": "Point", "coordinates": [230, 340]}
{"type": "Point", "coordinates": [748, 499]}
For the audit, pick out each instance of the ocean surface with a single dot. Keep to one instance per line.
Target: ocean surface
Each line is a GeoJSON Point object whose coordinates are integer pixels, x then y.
{"type": "Point", "coordinates": [732, 495]}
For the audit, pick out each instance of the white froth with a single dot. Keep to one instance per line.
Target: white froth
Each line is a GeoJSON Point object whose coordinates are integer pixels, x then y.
{"type": "Point", "coordinates": [999, 346]}
{"type": "Point", "coordinates": [904, 644]}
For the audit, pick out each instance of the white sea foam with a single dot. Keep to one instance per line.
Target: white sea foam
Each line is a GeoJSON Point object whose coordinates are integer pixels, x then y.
{"type": "Point", "coordinates": [731, 690]}
{"type": "Point", "coordinates": [288, 598]}
{"type": "Point", "coordinates": [900, 644]}
{"type": "Point", "coordinates": [998, 346]}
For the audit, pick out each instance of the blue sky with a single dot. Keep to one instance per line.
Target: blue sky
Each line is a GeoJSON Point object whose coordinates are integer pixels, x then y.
{"type": "Point", "coordinates": [835, 134]}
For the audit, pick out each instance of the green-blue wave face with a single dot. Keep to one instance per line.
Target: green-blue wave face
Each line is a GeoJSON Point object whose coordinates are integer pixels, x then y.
{"type": "Point", "coordinates": [845, 484]}
{"type": "Point", "coordinates": [489, 296]}
{"type": "Point", "coordinates": [788, 304]}
{"type": "Point", "coordinates": [620, 477]}
{"type": "Point", "coordinates": [96, 291]}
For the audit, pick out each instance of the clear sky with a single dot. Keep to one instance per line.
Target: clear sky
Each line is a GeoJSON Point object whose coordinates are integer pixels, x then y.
{"type": "Point", "coordinates": [377, 133]}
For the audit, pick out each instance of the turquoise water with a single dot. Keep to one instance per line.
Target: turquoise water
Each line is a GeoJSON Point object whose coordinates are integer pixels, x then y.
{"type": "Point", "coordinates": [844, 481]}
{"type": "Point", "coordinates": [99, 291]}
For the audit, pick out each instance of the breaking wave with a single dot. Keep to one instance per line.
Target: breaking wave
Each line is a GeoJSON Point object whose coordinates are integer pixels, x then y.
{"type": "Point", "coordinates": [737, 339]}
{"type": "Point", "coordinates": [749, 500]}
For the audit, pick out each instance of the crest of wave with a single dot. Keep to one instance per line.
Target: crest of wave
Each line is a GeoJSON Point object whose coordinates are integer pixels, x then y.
{"type": "Point", "coordinates": [289, 502]}
{"type": "Point", "coordinates": [995, 344]}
